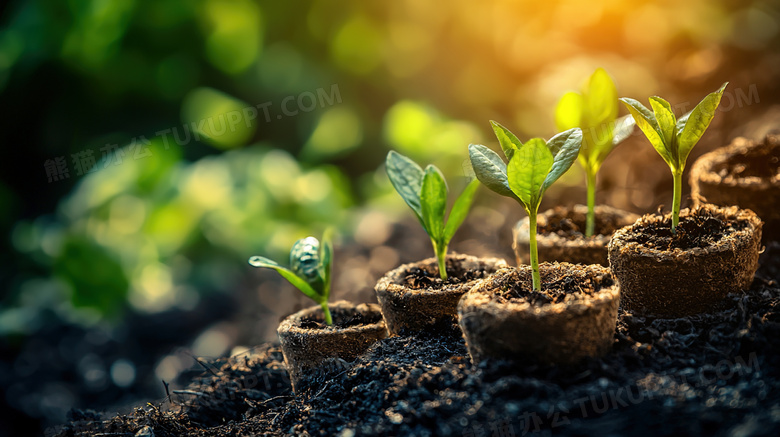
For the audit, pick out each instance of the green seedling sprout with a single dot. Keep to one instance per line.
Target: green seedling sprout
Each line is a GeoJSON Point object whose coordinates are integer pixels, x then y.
{"type": "Point", "coordinates": [309, 270]}
{"type": "Point", "coordinates": [673, 139]}
{"type": "Point", "coordinates": [594, 110]}
{"type": "Point", "coordinates": [425, 191]}
{"type": "Point", "coordinates": [532, 168]}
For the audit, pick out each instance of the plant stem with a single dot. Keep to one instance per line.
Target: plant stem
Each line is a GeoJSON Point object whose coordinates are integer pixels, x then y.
{"type": "Point", "coordinates": [590, 219]}
{"type": "Point", "coordinates": [537, 282]}
{"type": "Point", "coordinates": [326, 310]}
{"type": "Point", "coordinates": [676, 199]}
{"type": "Point", "coordinates": [441, 257]}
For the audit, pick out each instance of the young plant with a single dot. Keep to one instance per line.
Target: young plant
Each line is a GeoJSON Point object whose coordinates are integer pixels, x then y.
{"type": "Point", "coordinates": [425, 191]}
{"type": "Point", "coordinates": [673, 139]}
{"type": "Point", "coordinates": [594, 110]}
{"type": "Point", "coordinates": [532, 168]}
{"type": "Point", "coordinates": [309, 270]}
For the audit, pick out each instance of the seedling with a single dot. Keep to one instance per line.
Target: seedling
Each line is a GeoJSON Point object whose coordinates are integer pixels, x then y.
{"type": "Point", "coordinates": [594, 110]}
{"type": "Point", "coordinates": [425, 191]}
{"type": "Point", "coordinates": [532, 168]}
{"type": "Point", "coordinates": [673, 139]}
{"type": "Point", "coordinates": [309, 270]}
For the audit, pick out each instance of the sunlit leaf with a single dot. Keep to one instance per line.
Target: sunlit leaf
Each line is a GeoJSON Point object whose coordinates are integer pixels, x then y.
{"type": "Point", "coordinates": [299, 283]}
{"type": "Point", "coordinates": [664, 117]}
{"type": "Point", "coordinates": [568, 113]}
{"type": "Point", "coordinates": [508, 140]}
{"type": "Point", "coordinates": [490, 170]}
{"type": "Point", "coordinates": [645, 119]}
{"type": "Point", "coordinates": [697, 122]}
{"type": "Point", "coordinates": [601, 102]}
{"type": "Point", "coordinates": [527, 171]}
{"type": "Point", "coordinates": [434, 202]}
{"type": "Point", "coordinates": [564, 147]}
{"type": "Point", "coordinates": [406, 177]}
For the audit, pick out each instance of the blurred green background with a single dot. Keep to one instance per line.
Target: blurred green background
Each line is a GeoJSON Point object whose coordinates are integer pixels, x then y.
{"type": "Point", "coordinates": [152, 146]}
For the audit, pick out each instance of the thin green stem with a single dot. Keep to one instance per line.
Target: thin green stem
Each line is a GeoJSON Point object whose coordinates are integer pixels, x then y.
{"type": "Point", "coordinates": [676, 199]}
{"type": "Point", "coordinates": [590, 219]}
{"type": "Point", "coordinates": [326, 310]}
{"type": "Point", "coordinates": [537, 281]}
{"type": "Point", "coordinates": [441, 257]}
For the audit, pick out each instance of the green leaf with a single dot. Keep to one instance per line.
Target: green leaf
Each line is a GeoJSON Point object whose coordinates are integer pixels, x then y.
{"type": "Point", "coordinates": [490, 170]}
{"type": "Point", "coordinates": [305, 262]}
{"type": "Point", "coordinates": [568, 113]}
{"type": "Point", "coordinates": [406, 176]}
{"type": "Point", "coordinates": [601, 100]}
{"type": "Point", "coordinates": [564, 147]}
{"type": "Point", "coordinates": [527, 171]}
{"type": "Point", "coordinates": [508, 140]}
{"type": "Point", "coordinates": [434, 202]}
{"type": "Point", "coordinates": [460, 210]}
{"type": "Point", "coordinates": [646, 121]}
{"type": "Point", "coordinates": [624, 127]}
{"type": "Point", "coordinates": [664, 117]}
{"type": "Point", "coordinates": [299, 283]}
{"type": "Point", "coordinates": [326, 257]}
{"type": "Point", "coordinates": [697, 122]}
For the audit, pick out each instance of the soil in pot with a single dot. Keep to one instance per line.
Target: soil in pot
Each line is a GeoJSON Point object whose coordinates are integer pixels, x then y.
{"type": "Point", "coordinates": [573, 317]}
{"type": "Point", "coordinates": [308, 343]}
{"type": "Point", "coordinates": [414, 298]}
{"type": "Point", "coordinates": [561, 235]}
{"type": "Point", "coordinates": [747, 174]}
{"type": "Point", "coordinates": [713, 252]}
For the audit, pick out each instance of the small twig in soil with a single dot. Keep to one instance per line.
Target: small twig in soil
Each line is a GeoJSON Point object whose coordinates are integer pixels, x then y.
{"type": "Point", "coordinates": [189, 392]}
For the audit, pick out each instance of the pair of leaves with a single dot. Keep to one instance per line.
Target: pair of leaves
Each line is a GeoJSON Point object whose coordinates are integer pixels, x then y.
{"type": "Point", "coordinates": [533, 167]}
{"type": "Point", "coordinates": [310, 265]}
{"type": "Point", "coordinates": [674, 139]}
{"type": "Point", "coordinates": [594, 110]}
{"type": "Point", "coordinates": [425, 191]}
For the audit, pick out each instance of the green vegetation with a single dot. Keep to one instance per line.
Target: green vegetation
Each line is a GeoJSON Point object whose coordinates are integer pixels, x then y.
{"type": "Point", "coordinates": [673, 139]}
{"type": "Point", "coordinates": [594, 110]}
{"type": "Point", "coordinates": [425, 191]}
{"type": "Point", "coordinates": [533, 167]}
{"type": "Point", "coordinates": [309, 271]}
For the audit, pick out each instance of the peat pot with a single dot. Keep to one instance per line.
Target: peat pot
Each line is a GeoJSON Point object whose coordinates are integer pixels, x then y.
{"type": "Point", "coordinates": [713, 252]}
{"type": "Point", "coordinates": [561, 235]}
{"type": "Point", "coordinates": [307, 343]}
{"type": "Point", "coordinates": [746, 174]}
{"type": "Point", "coordinates": [414, 298]}
{"type": "Point", "coordinates": [573, 317]}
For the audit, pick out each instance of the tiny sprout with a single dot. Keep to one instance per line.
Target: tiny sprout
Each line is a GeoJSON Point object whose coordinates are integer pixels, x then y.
{"type": "Point", "coordinates": [425, 191]}
{"type": "Point", "coordinates": [309, 270]}
{"type": "Point", "coordinates": [594, 110]}
{"type": "Point", "coordinates": [533, 167]}
{"type": "Point", "coordinates": [673, 139]}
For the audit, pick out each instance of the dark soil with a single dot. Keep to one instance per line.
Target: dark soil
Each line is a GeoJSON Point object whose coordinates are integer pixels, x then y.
{"type": "Point", "coordinates": [699, 229]}
{"type": "Point", "coordinates": [427, 277]}
{"type": "Point", "coordinates": [712, 374]}
{"type": "Point", "coordinates": [341, 320]}
{"type": "Point", "coordinates": [761, 162]}
{"type": "Point", "coordinates": [572, 228]}
{"type": "Point", "coordinates": [558, 285]}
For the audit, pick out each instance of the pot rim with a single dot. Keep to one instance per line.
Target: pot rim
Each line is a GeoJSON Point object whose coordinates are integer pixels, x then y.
{"type": "Point", "coordinates": [392, 281]}
{"type": "Point", "coordinates": [481, 296]}
{"type": "Point", "coordinates": [291, 323]}
{"type": "Point", "coordinates": [703, 167]}
{"type": "Point", "coordinates": [741, 237]}
{"type": "Point", "coordinates": [552, 239]}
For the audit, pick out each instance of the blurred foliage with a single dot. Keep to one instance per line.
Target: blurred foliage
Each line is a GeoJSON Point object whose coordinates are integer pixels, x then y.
{"type": "Point", "coordinates": [266, 121]}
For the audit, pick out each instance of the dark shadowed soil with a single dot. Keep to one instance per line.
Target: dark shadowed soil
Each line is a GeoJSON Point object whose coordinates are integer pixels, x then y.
{"type": "Point", "coordinates": [341, 320]}
{"type": "Point", "coordinates": [427, 277]}
{"type": "Point", "coordinates": [572, 228]}
{"type": "Point", "coordinates": [699, 229]}
{"type": "Point", "coordinates": [558, 284]}
{"type": "Point", "coordinates": [711, 374]}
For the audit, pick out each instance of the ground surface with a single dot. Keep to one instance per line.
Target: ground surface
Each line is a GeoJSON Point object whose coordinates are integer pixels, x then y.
{"type": "Point", "coordinates": [713, 374]}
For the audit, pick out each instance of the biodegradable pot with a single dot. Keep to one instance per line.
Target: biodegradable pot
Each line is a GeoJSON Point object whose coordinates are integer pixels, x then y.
{"type": "Point", "coordinates": [560, 235]}
{"type": "Point", "coordinates": [713, 253]}
{"type": "Point", "coordinates": [572, 318]}
{"type": "Point", "coordinates": [414, 298]}
{"type": "Point", "coordinates": [746, 174]}
{"type": "Point", "coordinates": [307, 343]}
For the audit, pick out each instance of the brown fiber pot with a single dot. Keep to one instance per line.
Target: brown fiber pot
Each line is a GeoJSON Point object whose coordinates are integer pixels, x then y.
{"type": "Point", "coordinates": [582, 325]}
{"type": "Point", "coordinates": [408, 310]}
{"type": "Point", "coordinates": [306, 348]}
{"type": "Point", "coordinates": [677, 282]}
{"type": "Point", "coordinates": [746, 174]}
{"type": "Point", "coordinates": [568, 243]}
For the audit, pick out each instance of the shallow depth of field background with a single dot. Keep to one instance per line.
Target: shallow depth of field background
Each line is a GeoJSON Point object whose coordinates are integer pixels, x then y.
{"type": "Point", "coordinates": [198, 133]}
